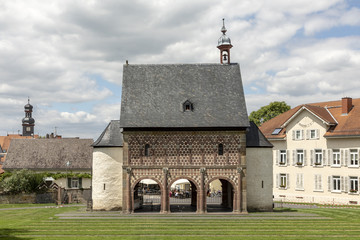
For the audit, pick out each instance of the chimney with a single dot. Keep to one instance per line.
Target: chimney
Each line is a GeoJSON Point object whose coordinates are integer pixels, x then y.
{"type": "Point", "coordinates": [346, 105]}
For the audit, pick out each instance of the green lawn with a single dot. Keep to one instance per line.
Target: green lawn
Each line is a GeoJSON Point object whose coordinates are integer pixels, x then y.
{"type": "Point", "coordinates": [45, 223]}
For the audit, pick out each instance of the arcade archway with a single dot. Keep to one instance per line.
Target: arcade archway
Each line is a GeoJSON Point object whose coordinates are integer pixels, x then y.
{"type": "Point", "coordinates": [183, 195]}
{"type": "Point", "coordinates": [147, 196]}
{"type": "Point", "coordinates": [220, 195]}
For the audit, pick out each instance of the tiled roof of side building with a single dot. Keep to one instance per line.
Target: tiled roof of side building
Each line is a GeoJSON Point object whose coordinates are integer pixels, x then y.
{"type": "Point", "coordinates": [111, 136]}
{"type": "Point", "coordinates": [153, 96]}
{"type": "Point", "coordinates": [49, 154]}
{"type": "Point", "coordinates": [330, 112]}
{"type": "Point", "coordinates": [254, 138]}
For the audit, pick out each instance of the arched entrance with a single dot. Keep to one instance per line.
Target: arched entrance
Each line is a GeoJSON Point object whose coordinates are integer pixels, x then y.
{"type": "Point", "coordinates": [147, 196]}
{"type": "Point", "coordinates": [183, 195]}
{"type": "Point", "coordinates": [220, 195]}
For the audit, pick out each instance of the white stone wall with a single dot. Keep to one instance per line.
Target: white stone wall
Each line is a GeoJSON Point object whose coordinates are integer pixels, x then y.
{"type": "Point", "coordinates": [259, 179]}
{"type": "Point", "coordinates": [294, 192]}
{"type": "Point", "coordinates": [107, 178]}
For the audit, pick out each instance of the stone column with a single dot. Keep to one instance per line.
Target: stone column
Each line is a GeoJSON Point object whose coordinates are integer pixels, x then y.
{"type": "Point", "coordinates": [165, 193]}
{"type": "Point", "coordinates": [129, 208]}
{"type": "Point", "coordinates": [202, 195]}
{"type": "Point", "coordinates": [237, 205]}
{"type": "Point", "coordinates": [243, 193]}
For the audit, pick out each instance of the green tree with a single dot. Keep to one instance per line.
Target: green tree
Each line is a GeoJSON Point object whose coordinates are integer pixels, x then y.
{"type": "Point", "coordinates": [22, 181]}
{"type": "Point", "coordinates": [268, 112]}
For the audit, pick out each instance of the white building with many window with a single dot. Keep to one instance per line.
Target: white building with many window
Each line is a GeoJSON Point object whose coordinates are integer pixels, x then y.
{"type": "Point", "coordinates": [316, 152]}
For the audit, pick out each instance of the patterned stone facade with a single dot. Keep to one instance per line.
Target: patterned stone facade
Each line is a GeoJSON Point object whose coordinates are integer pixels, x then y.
{"type": "Point", "coordinates": [192, 155]}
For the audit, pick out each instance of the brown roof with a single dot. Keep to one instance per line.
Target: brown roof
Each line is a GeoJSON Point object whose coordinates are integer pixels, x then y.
{"type": "Point", "coordinates": [329, 112]}
{"type": "Point", "coordinates": [49, 154]}
{"type": "Point", "coordinates": [5, 143]}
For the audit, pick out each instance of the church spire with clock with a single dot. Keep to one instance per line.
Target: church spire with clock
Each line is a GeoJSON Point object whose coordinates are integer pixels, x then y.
{"type": "Point", "coordinates": [28, 122]}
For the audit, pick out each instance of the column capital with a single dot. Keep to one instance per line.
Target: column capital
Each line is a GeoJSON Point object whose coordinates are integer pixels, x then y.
{"type": "Point", "coordinates": [165, 170]}
{"type": "Point", "coordinates": [202, 170]}
{"type": "Point", "coordinates": [128, 170]}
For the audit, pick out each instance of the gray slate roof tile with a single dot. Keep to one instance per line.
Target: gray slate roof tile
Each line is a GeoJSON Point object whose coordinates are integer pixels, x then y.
{"type": "Point", "coordinates": [153, 95]}
{"type": "Point", "coordinates": [111, 136]}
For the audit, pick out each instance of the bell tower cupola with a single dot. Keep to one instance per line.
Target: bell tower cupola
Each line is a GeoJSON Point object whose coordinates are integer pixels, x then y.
{"type": "Point", "coordinates": [28, 122]}
{"type": "Point", "coordinates": [224, 45]}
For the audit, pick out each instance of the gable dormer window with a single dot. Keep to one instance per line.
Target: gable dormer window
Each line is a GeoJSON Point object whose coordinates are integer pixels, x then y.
{"type": "Point", "coordinates": [188, 106]}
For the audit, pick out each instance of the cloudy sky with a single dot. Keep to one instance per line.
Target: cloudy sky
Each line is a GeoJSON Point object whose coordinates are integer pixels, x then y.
{"type": "Point", "coordinates": [67, 56]}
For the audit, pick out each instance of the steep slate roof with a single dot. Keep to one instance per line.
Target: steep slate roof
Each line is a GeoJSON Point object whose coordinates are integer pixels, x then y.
{"type": "Point", "coordinates": [5, 143]}
{"type": "Point", "coordinates": [255, 138]}
{"type": "Point", "coordinates": [111, 136]}
{"type": "Point", "coordinates": [329, 112]}
{"type": "Point", "coordinates": [49, 154]}
{"type": "Point", "coordinates": [153, 96]}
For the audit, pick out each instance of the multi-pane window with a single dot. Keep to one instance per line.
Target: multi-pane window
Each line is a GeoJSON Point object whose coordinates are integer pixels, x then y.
{"type": "Point", "coordinates": [74, 182]}
{"type": "Point", "coordinates": [354, 184]}
{"type": "Point", "coordinates": [299, 157]}
{"type": "Point", "coordinates": [354, 157]}
{"type": "Point", "coordinates": [298, 135]}
{"type": "Point", "coordinates": [313, 134]}
{"type": "Point", "coordinates": [318, 156]}
{"type": "Point", "coordinates": [336, 157]}
{"type": "Point", "coordinates": [282, 157]}
{"type": "Point", "coordinates": [336, 183]}
{"type": "Point", "coordinates": [283, 180]}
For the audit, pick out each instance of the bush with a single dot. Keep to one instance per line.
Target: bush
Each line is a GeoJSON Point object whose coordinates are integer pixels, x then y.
{"type": "Point", "coordinates": [22, 181]}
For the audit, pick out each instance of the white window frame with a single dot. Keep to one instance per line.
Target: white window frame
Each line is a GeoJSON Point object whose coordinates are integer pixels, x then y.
{"type": "Point", "coordinates": [336, 184]}
{"type": "Point", "coordinates": [353, 185]}
{"type": "Point", "coordinates": [336, 158]}
{"type": "Point", "coordinates": [313, 134]}
{"type": "Point", "coordinates": [75, 183]}
{"type": "Point", "coordinates": [283, 158]}
{"type": "Point", "coordinates": [300, 157]}
{"type": "Point", "coordinates": [318, 157]}
{"type": "Point", "coordinates": [283, 181]}
{"type": "Point", "coordinates": [298, 135]}
{"type": "Point", "coordinates": [354, 158]}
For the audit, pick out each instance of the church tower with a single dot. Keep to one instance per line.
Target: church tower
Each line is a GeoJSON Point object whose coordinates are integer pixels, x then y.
{"type": "Point", "coordinates": [224, 45]}
{"type": "Point", "coordinates": [28, 122]}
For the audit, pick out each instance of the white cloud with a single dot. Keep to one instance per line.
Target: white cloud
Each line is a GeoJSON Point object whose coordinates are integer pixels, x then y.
{"type": "Point", "coordinates": [69, 53]}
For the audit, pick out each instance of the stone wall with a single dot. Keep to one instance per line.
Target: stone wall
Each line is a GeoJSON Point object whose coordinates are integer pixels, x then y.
{"type": "Point", "coordinates": [107, 178]}
{"type": "Point", "coordinates": [72, 196]}
{"type": "Point", "coordinates": [259, 179]}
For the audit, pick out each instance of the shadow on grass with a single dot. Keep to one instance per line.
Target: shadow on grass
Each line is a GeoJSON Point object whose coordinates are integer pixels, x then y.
{"type": "Point", "coordinates": [9, 234]}
{"type": "Point", "coordinates": [284, 210]}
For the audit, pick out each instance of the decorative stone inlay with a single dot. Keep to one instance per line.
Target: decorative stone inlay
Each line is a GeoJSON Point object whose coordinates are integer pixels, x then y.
{"type": "Point", "coordinates": [183, 149]}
